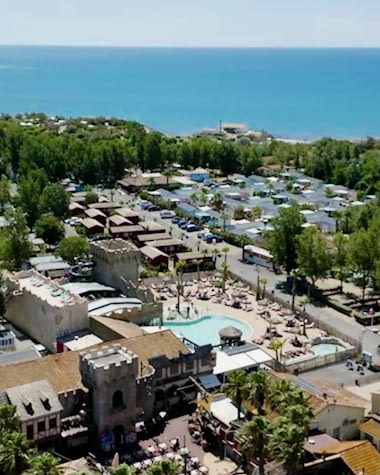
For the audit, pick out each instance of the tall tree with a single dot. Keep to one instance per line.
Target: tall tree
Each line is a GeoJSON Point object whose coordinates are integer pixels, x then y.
{"type": "Point", "coordinates": [362, 255]}
{"type": "Point", "coordinates": [5, 193]}
{"type": "Point", "coordinates": [54, 199]}
{"type": "Point", "coordinates": [235, 388]}
{"type": "Point", "coordinates": [15, 247]}
{"type": "Point", "coordinates": [14, 453]}
{"type": "Point", "coordinates": [282, 239]}
{"type": "Point", "coordinates": [257, 388]}
{"type": "Point", "coordinates": [254, 437]}
{"type": "Point", "coordinates": [286, 444]}
{"type": "Point", "coordinates": [340, 255]}
{"type": "Point", "coordinates": [29, 191]}
{"type": "Point", "coordinates": [73, 249]}
{"type": "Point", "coordinates": [49, 228]}
{"type": "Point", "coordinates": [313, 258]}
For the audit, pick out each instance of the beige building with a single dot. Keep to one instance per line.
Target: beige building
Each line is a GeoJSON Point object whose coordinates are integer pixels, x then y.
{"type": "Point", "coordinates": [117, 264]}
{"type": "Point", "coordinates": [38, 409]}
{"type": "Point", "coordinates": [120, 383]}
{"type": "Point", "coordinates": [43, 309]}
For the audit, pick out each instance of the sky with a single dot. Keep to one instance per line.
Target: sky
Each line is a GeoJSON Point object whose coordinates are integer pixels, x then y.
{"type": "Point", "coordinates": [212, 23]}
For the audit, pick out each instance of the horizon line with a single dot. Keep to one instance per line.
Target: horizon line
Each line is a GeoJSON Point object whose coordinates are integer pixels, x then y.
{"type": "Point", "coordinates": [39, 45]}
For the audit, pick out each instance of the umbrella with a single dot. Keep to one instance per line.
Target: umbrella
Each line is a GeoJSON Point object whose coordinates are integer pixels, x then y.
{"type": "Point", "coordinates": [116, 460]}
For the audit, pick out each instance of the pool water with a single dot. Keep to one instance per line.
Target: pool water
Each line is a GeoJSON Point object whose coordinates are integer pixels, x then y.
{"type": "Point", "coordinates": [205, 330]}
{"type": "Point", "coordinates": [324, 349]}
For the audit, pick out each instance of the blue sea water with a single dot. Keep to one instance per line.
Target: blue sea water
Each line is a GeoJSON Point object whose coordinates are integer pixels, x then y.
{"type": "Point", "coordinates": [302, 93]}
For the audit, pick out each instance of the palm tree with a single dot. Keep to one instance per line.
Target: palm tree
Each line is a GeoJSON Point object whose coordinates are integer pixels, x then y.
{"type": "Point", "coordinates": [244, 241]}
{"type": "Point", "coordinates": [254, 437]}
{"type": "Point", "coordinates": [178, 269]}
{"type": "Point", "coordinates": [8, 417]}
{"type": "Point", "coordinates": [286, 444]}
{"type": "Point", "coordinates": [122, 469]}
{"type": "Point", "coordinates": [282, 394]}
{"type": "Point", "coordinates": [217, 201]}
{"type": "Point", "coordinates": [257, 389]}
{"type": "Point", "coordinates": [275, 345]}
{"type": "Point", "coordinates": [205, 253]}
{"type": "Point", "coordinates": [194, 198]}
{"type": "Point", "coordinates": [215, 253]}
{"type": "Point", "coordinates": [168, 174]}
{"type": "Point", "coordinates": [225, 267]}
{"type": "Point", "coordinates": [263, 282]}
{"type": "Point", "coordinates": [235, 388]}
{"type": "Point", "coordinates": [14, 453]}
{"type": "Point", "coordinates": [166, 467]}
{"type": "Point", "coordinates": [44, 464]}
{"type": "Point", "coordinates": [225, 251]}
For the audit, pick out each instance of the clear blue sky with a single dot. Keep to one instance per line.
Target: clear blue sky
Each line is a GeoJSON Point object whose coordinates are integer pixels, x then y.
{"type": "Point", "coordinates": [191, 22]}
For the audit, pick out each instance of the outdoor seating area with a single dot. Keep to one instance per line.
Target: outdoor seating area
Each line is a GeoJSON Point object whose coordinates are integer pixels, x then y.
{"type": "Point", "coordinates": [159, 451]}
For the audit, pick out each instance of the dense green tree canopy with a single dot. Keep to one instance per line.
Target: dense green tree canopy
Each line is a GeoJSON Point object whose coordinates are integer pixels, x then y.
{"type": "Point", "coordinates": [73, 248]}
{"type": "Point", "coordinates": [49, 228]}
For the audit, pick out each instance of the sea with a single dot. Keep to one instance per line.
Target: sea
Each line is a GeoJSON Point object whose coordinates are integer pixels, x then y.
{"type": "Point", "coordinates": [292, 93]}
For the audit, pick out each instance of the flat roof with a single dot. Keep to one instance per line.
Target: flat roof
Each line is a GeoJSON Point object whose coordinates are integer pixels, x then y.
{"type": "Point", "coordinates": [104, 205]}
{"type": "Point", "coordinates": [224, 410]}
{"type": "Point", "coordinates": [82, 342]}
{"type": "Point", "coordinates": [239, 360]}
{"type": "Point", "coordinates": [45, 289]}
{"type": "Point", "coordinates": [80, 288]}
{"type": "Point", "coordinates": [258, 250]}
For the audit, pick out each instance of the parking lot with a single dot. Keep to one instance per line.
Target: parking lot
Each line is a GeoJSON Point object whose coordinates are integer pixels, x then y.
{"type": "Point", "coordinates": [335, 374]}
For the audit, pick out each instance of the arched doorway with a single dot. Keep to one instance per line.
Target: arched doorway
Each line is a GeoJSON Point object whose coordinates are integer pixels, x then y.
{"type": "Point", "coordinates": [119, 436]}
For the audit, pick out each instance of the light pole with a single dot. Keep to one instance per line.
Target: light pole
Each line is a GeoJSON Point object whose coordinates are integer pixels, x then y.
{"type": "Point", "coordinates": [184, 452]}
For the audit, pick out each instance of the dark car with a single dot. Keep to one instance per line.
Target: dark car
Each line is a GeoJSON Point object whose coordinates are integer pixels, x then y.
{"type": "Point", "coordinates": [213, 238]}
{"type": "Point", "coordinates": [176, 219]}
{"type": "Point", "coordinates": [190, 228]}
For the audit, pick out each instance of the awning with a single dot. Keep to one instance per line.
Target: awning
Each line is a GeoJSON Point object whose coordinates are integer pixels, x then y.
{"type": "Point", "coordinates": [209, 381]}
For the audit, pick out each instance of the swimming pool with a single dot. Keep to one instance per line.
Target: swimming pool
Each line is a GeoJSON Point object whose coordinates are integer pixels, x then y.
{"type": "Point", "coordinates": [205, 330]}
{"type": "Point", "coordinates": [324, 349]}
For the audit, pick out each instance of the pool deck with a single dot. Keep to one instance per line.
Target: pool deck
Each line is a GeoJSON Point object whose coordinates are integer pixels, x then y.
{"type": "Point", "coordinates": [254, 317]}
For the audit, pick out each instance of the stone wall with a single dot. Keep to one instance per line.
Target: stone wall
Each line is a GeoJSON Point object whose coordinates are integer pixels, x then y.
{"type": "Point", "coordinates": [140, 316]}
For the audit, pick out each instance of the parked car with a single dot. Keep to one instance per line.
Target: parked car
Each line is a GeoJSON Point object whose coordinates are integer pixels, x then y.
{"type": "Point", "coordinates": [166, 214]}
{"type": "Point", "coordinates": [185, 224]}
{"type": "Point", "coordinates": [210, 238]}
{"type": "Point", "coordinates": [175, 219]}
{"type": "Point", "coordinates": [202, 234]}
{"type": "Point", "coordinates": [192, 228]}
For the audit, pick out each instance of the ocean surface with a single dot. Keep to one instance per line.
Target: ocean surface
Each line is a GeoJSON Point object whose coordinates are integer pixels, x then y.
{"type": "Point", "coordinates": [296, 93]}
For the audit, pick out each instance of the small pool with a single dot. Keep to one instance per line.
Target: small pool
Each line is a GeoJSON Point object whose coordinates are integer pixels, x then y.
{"type": "Point", "coordinates": [324, 349]}
{"type": "Point", "coordinates": [205, 330]}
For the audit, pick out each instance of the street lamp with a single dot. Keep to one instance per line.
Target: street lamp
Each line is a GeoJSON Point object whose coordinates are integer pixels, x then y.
{"type": "Point", "coordinates": [184, 452]}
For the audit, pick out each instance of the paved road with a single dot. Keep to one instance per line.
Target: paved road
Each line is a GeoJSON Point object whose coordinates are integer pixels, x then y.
{"type": "Point", "coordinates": [347, 326]}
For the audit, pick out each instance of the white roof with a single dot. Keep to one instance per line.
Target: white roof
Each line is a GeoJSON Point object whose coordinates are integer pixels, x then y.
{"type": "Point", "coordinates": [242, 360]}
{"type": "Point", "coordinates": [80, 288]}
{"type": "Point", "coordinates": [259, 250]}
{"type": "Point", "coordinates": [245, 359]}
{"type": "Point", "coordinates": [82, 342]}
{"type": "Point", "coordinates": [224, 410]}
{"type": "Point", "coordinates": [259, 356]}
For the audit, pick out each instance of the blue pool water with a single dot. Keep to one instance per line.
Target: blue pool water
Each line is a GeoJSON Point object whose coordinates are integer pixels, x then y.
{"type": "Point", "coordinates": [324, 349]}
{"type": "Point", "coordinates": [206, 329]}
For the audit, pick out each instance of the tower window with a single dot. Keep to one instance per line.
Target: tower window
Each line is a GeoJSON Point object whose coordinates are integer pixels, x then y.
{"type": "Point", "coordinates": [117, 399]}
